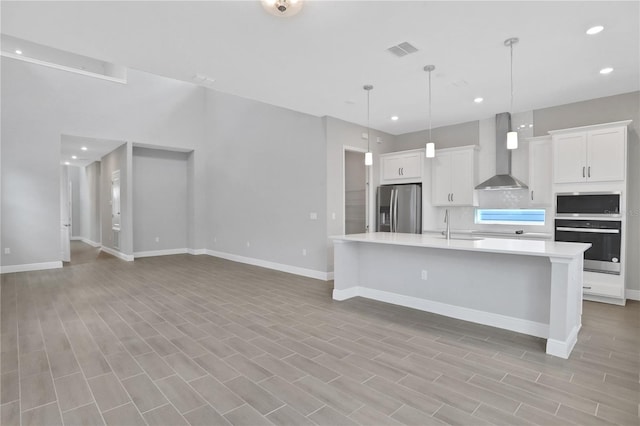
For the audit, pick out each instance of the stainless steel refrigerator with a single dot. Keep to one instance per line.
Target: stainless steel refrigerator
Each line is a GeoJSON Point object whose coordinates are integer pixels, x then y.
{"type": "Point", "coordinates": [399, 208]}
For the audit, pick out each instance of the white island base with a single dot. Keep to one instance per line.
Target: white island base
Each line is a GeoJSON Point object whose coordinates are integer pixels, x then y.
{"type": "Point", "coordinates": [531, 287]}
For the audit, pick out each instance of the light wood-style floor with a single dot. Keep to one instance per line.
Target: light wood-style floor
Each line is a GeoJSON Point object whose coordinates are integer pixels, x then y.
{"type": "Point", "coordinates": [203, 341]}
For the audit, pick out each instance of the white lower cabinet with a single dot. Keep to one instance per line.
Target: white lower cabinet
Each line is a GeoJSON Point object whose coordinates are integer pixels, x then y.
{"type": "Point", "coordinates": [401, 167]}
{"type": "Point", "coordinates": [453, 176]}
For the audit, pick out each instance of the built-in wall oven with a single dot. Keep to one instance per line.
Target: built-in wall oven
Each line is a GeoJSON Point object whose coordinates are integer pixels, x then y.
{"type": "Point", "coordinates": [592, 217]}
{"type": "Point", "coordinates": [604, 236]}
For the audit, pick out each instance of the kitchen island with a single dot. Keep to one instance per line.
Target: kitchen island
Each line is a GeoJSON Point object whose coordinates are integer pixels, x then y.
{"type": "Point", "coordinates": [531, 287]}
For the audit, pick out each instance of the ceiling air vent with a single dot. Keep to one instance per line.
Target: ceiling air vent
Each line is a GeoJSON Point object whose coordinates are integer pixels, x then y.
{"type": "Point", "coordinates": [402, 49]}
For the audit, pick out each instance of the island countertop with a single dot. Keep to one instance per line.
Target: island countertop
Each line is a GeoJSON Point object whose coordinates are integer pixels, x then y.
{"type": "Point", "coordinates": [487, 245]}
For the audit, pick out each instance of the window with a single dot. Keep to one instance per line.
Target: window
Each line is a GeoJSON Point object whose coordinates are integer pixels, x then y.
{"type": "Point", "coordinates": [511, 216]}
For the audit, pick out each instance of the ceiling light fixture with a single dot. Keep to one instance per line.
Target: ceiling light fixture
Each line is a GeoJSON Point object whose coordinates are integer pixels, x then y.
{"type": "Point", "coordinates": [74, 157]}
{"type": "Point", "coordinates": [595, 30]}
{"type": "Point", "coordinates": [430, 148]}
{"type": "Point", "coordinates": [607, 70]}
{"type": "Point", "coordinates": [512, 136]}
{"type": "Point", "coordinates": [282, 8]}
{"type": "Point", "coordinates": [19, 52]}
{"type": "Point", "coordinates": [478, 100]}
{"type": "Point", "coordinates": [394, 118]}
{"type": "Point", "coordinates": [66, 163]}
{"type": "Point", "coordinates": [84, 148]}
{"type": "Point", "coordinates": [368, 156]}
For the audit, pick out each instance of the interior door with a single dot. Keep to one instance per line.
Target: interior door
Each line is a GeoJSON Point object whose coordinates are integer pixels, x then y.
{"type": "Point", "coordinates": [65, 215]}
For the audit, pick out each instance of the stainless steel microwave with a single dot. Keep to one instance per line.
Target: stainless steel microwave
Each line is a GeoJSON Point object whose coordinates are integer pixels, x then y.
{"type": "Point", "coordinates": [588, 204]}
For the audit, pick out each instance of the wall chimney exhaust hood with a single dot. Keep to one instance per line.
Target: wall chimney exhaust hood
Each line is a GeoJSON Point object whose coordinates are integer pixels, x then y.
{"type": "Point", "coordinates": [503, 179]}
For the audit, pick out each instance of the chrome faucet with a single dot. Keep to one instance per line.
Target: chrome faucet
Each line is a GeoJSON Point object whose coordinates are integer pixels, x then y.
{"type": "Point", "coordinates": [447, 232]}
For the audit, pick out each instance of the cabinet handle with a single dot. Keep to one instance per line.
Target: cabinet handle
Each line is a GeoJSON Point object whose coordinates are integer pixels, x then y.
{"type": "Point", "coordinates": [586, 288]}
{"type": "Point", "coordinates": [583, 168]}
{"type": "Point", "coordinates": [532, 195]}
{"type": "Point", "coordinates": [452, 197]}
{"type": "Point", "coordinates": [589, 171]}
{"type": "Point", "coordinates": [402, 171]}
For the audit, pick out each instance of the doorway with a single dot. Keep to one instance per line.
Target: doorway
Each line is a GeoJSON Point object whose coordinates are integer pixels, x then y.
{"type": "Point", "coordinates": [356, 197]}
{"type": "Point", "coordinates": [80, 198]}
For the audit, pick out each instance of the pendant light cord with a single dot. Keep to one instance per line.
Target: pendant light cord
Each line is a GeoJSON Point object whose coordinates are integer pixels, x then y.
{"type": "Point", "coordinates": [511, 107]}
{"type": "Point", "coordinates": [368, 122]}
{"type": "Point", "coordinates": [430, 107]}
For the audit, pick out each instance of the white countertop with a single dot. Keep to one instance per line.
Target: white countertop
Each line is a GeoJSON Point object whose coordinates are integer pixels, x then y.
{"type": "Point", "coordinates": [493, 234]}
{"type": "Point", "coordinates": [488, 245]}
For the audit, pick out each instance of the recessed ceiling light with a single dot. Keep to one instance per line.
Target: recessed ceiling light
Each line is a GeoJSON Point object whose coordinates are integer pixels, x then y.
{"type": "Point", "coordinates": [66, 163]}
{"type": "Point", "coordinates": [84, 148]}
{"type": "Point", "coordinates": [394, 118]}
{"type": "Point", "coordinates": [595, 30]}
{"type": "Point", "coordinates": [74, 157]}
{"type": "Point", "coordinates": [478, 100]}
{"type": "Point", "coordinates": [530, 125]}
{"type": "Point", "coordinates": [19, 52]}
{"type": "Point", "coordinates": [606, 70]}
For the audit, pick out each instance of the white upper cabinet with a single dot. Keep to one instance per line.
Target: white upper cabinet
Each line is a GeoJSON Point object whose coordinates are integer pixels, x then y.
{"type": "Point", "coordinates": [590, 154]}
{"type": "Point", "coordinates": [401, 167]}
{"type": "Point", "coordinates": [453, 176]}
{"type": "Point", "coordinates": [540, 158]}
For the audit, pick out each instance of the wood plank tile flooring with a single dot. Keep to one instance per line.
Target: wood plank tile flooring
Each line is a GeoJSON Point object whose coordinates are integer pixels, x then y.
{"type": "Point", "coordinates": [199, 340]}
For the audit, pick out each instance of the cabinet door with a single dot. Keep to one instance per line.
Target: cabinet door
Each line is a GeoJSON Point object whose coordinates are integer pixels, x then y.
{"type": "Point", "coordinates": [606, 155]}
{"type": "Point", "coordinates": [462, 183]}
{"type": "Point", "coordinates": [441, 179]}
{"type": "Point", "coordinates": [391, 168]}
{"type": "Point", "coordinates": [411, 165]}
{"type": "Point", "coordinates": [540, 172]}
{"type": "Point", "coordinates": [569, 159]}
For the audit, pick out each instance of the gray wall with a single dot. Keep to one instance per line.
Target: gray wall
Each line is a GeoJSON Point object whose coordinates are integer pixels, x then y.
{"type": "Point", "coordinates": [39, 104]}
{"type": "Point", "coordinates": [76, 208]}
{"type": "Point", "coordinates": [604, 110]}
{"type": "Point", "coordinates": [92, 215]}
{"type": "Point", "coordinates": [116, 160]}
{"type": "Point", "coordinates": [355, 188]}
{"type": "Point", "coordinates": [267, 174]}
{"type": "Point", "coordinates": [159, 199]}
{"type": "Point", "coordinates": [444, 137]}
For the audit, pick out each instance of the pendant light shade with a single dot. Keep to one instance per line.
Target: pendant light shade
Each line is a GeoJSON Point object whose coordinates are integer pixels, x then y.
{"type": "Point", "coordinates": [430, 148]}
{"type": "Point", "coordinates": [512, 136]}
{"type": "Point", "coordinates": [368, 156]}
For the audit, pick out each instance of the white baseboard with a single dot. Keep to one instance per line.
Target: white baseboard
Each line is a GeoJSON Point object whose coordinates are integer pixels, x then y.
{"type": "Point", "coordinates": [167, 252]}
{"type": "Point", "coordinates": [197, 252]}
{"type": "Point", "coordinates": [310, 273]}
{"type": "Point", "coordinates": [30, 267]}
{"type": "Point", "coordinates": [119, 255]}
{"type": "Point", "coordinates": [561, 348]}
{"type": "Point", "coordinates": [91, 243]}
{"type": "Point", "coordinates": [76, 238]}
{"type": "Point", "coordinates": [467, 314]}
{"type": "Point", "coordinates": [632, 294]}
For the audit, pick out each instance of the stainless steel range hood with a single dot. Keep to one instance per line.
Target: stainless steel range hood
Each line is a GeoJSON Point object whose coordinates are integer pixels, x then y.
{"type": "Point", "coordinates": [503, 179]}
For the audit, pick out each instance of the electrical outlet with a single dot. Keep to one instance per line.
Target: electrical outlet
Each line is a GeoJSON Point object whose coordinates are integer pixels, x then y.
{"type": "Point", "coordinates": [157, 239]}
{"type": "Point", "coordinates": [248, 244]}
{"type": "Point", "coordinates": [333, 215]}
{"type": "Point", "coordinates": [424, 275]}
{"type": "Point", "coordinates": [215, 239]}
{"type": "Point", "coordinates": [304, 252]}
{"type": "Point", "coordinates": [313, 216]}
{"type": "Point", "coordinates": [7, 250]}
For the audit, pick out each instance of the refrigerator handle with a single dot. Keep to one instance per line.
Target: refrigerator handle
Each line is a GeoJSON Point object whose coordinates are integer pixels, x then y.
{"type": "Point", "coordinates": [395, 211]}
{"type": "Point", "coordinates": [391, 210]}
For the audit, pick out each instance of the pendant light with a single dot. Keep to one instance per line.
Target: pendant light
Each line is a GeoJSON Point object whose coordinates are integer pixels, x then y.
{"type": "Point", "coordinates": [512, 137]}
{"type": "Point", "coordinates": [282, 8]}
{"type": "Point", "coordinates": [430, 149]}
{"type": "Point", "coordinates": [368, 156]}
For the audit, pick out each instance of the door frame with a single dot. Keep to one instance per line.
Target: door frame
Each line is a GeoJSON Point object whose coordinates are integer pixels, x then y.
{"type": "Point", "coordinates": [368, 196]}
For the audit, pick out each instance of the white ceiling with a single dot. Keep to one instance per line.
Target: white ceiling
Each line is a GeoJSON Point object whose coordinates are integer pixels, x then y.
{"type": "Point", "coordinates": [96, 149]}
{"type": "Point", "coordinates": [317, 61]}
